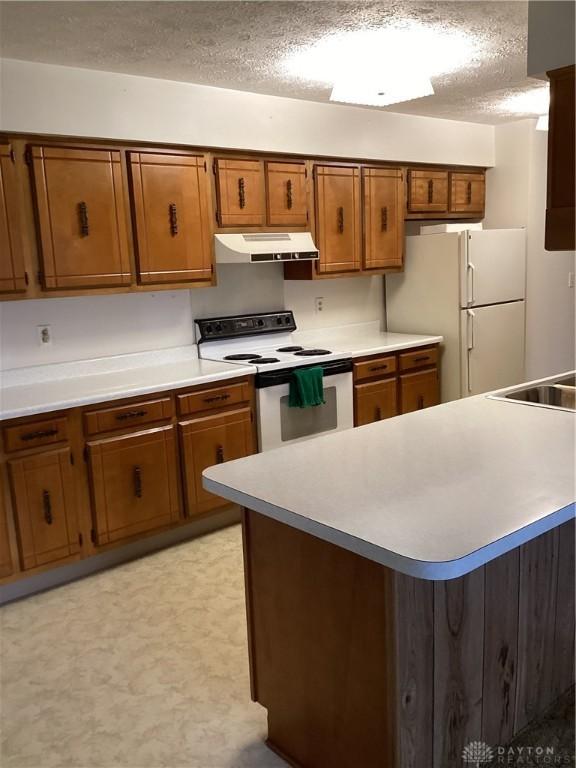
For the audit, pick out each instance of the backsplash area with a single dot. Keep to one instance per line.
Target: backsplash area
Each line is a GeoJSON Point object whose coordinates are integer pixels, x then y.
{"type": "Point", "coordinates": [98, 326]}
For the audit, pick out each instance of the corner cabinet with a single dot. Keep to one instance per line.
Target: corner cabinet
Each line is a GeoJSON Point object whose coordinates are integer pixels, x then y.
{"type": "Point", "coordinates": [13, 277]}
{"type": "Point", "coordinates": [82, 218]}
{"type": "Point", "coordinates": [171, 207]}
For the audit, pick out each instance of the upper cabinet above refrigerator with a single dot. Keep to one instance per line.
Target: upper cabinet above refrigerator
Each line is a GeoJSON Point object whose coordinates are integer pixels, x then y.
{"type": "Point", "coordinates": [492, 266]}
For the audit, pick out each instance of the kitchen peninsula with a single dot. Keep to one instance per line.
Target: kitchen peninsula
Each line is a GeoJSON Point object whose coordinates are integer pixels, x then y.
{"type": "Point", "coordinates": [410, 584]}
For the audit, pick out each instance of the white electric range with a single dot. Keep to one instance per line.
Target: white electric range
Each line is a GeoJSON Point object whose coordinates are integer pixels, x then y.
{"type": "Point", "coordinates": [265, 341]}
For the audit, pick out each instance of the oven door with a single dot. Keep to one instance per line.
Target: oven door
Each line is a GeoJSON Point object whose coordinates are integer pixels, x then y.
{"type": "Point", "coordinates": [279, 425]}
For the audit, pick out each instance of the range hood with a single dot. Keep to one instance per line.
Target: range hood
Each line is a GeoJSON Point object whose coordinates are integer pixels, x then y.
{"type": "Point", "coordinates": [264, 247]}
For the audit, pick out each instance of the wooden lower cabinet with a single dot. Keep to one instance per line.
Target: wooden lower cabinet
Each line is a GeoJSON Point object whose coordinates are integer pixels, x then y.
{"type": "Point", "coordinates": [375, 401]}
{"type": "Point", "coordinates": [212, 440]}
{"type": "Point", "coordinates": [6, 566]}
{"type": "Point", "coordinates": [419, 390]}
{"type": "Point", "coordinates": [44, 498]}
{"type": "Point", "coordinates": [133, 483]}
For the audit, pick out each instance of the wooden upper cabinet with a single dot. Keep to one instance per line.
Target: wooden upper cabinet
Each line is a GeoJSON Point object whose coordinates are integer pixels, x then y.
{"type": "Point", "coordinates": [560, 210]}
{"type": "Point", "coordinates": [81, 217]}
{"type": "Point", "coordinates": [12, 270]}
{"type": "Point", "coordinates": [171, 204]}
{"type": "Point", "coordinates": [134, 484]}
{"type": "Point", "coordinates": [467, 192]}
{"type": "Point", "coordinates": [286, 197]}
{"type": "Point", "coordinates": [383, 194]}
{"type": "Point", "coordinates": [338, 226]}
{"type": "Point", "coordinates": [240, 193]}
{"type": "Point", "coordinates": [43, 491]}
{"type": "Point", "coordinates": [212, 440]}
{"type": "Point", "coordinates": [427, 191]}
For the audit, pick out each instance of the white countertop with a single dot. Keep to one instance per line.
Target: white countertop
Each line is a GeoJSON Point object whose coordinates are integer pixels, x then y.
{"type": "Point", "coordinates": [363, 339]}
{"type": "Point", "coordinates": [433, 494]}
{"type": "Point", "coordinates": [44, 388]}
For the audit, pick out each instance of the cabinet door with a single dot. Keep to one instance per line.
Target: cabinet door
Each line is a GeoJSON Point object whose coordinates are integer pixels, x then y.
{"type": "Point", "coordinates": [45, 502]}
{"type": "Point", "coordinates": [427, 191]}
{"type": "Point", "coordinates": [286, 201]}
{"type": "Point", "coordinates": [338, 218]}
{"type": "Point", "coordinates": [383, 218]}
{"type": "Point", "coordinates": [212, 440]}
{"type": "Point", "coordinates": [240, 189]}
{"type": "Point", "coordinates": [170, 195]}
{"type": "Point", "coordinates": [5, 555]}
{"type": "Point", "coordinates": [419, 390]}
{"type": "Point", "coordinates": [467, 192]}
{"type": "Point", "coordinates": [133, 483]}
{"type": "Point", "coordinates": [12, 272]}
{"type": "Point", "coordinates": [82, 218]}
{"type": "Point", "coordinates": [374, 401]}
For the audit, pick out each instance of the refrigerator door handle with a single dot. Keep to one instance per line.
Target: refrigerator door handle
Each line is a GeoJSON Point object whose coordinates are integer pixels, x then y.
{"type": "Point", "coordinates": [469, 346]}
{"type": "Point", "coordinates": [470, 273]}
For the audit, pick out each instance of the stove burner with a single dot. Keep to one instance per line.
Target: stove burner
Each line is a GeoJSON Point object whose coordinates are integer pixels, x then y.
{"type": "Point", "coordinates": [243, 357]}
{"type": "Point", "coordinates": [290, 349]}
{"type": "Point", "coordinates": [267, 360]}
{"type": "Point", "coordinates": [312, 352]}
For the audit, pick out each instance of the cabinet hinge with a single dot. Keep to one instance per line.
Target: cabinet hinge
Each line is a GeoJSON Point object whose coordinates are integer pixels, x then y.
{"type": "Point", "coordinates": [85, 453]}
{"type": "Point", "coordinates": [305, 173]}
{"type": "Point", "coordinates": [72, 458]}
{"type": "Point", "coordinates": [205, 166]}
{"type": "Point", "coordinates": [212, 268]}
{"type": "Point", "coordinates": [28, 156]}
{"type": "Point", "coordinates": [39, 277]}
{"type": "Point", "coordinates": [307, 216]}
{"type": "Point", "coordinates": [26, 278]}
{"type": "Point", "coordinates": [80, 539]}
{"type": "Point", "coordinates": [252, 416]}
{"type": "Point", "coordinates": [214, 167]}
{"type": "Point", "coordinates": [218, 218]}
{"type": "Point", "coordinates": [93, 536]}
{"type": "Point", "coordinates": [12, 154]}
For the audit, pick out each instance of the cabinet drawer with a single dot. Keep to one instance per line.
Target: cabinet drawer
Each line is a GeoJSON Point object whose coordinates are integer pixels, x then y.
{"type": "Point", "coordinates": [36, 433]}
{"type": "Point", "coordinates": [208, 399]}
{"type": "Point", "coordinates": [372, 369]}
{"type": "Point", "coordinates": [417, 358]}
{"type": "Point", "coordinates": [107, 419]}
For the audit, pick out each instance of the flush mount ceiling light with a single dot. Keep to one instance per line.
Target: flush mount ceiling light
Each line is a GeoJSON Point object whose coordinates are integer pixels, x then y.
{"type": "Point", "coordinates": [383, 66]}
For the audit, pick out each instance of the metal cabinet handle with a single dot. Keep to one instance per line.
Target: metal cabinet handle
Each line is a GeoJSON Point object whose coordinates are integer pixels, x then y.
{"type": "Point", "coordinates": [378, 368]}
{"type": "Point", "coordinates": [38, 434]}
{"type": "Point", "coordinates": [130, 415]}
{"type": "Point", "coordinates": [173, 213]}
{"type": "Point", "coordinates": [430, 190]}
{"type": "Point", "coordinates": [420, 402]}
{"type": "Point", "coordinates": [138, 482]}
{"type": "Point", "coordinates": [341, 220]}
{"type": "Point", "coordinates": [384, 219]}
{"type": "Point", "coordinates": [469, 193]}
{"type": "Point", "coordinates": [219, 454]}
{"type": "Point", "coordinates": [83, 217]}
{"type": "Point", "coordinates": [421, 358]}
{"type": "Point", "coordinates": [216, 398]}
{"type": "Point", "coordinates": [289, 194]}
{"type": "Point", "coordinates": [47, 504]}
{"type": "Point", "coordinates": [241, 192]}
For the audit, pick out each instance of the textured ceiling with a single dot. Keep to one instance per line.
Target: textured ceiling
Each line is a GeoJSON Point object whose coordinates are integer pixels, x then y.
{"type": "Point", "coordinates": [242, 45]}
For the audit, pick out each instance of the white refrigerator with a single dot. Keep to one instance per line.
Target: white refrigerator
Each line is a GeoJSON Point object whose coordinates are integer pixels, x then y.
{"type": "Point", "coordinates": [470, 287]}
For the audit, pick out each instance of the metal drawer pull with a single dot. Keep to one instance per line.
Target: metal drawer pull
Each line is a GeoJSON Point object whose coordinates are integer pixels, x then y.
{"type": "Point", "coordinates": [469, 193]}
{"type": "Point", "coordinates": [173, 219]}
{"type": "Point", "coordinates": [341, 220]}
{"type": "Point", "coordinates": [138, 482]}
{"type": "Point", "coordinates": [421, 358]}
{"type": "Point", "coordinates": [289, 194]}
{"type": "Point", "coordinates": [379, 367]}
{"type": "Point", "coordinates": [130, 415]}
{"type": "Point", "coordinates": [40, 433]}
{"type": "Point", "coordinates": [384, 219]}
{"type": "Point", "coordinates": [216, 398]}
{"type": "Point", "coordinates": [83, 216]}
{"type": "Point", "coordinates": [430, 190]}
{"type": "Point", "coordinates": [219, 454]}
{"type": "Point", "coordinates": [241, 192]}
{"type": "Point", "coordinates": [47, 504]}
{"type": "Point", "coordinates": [420, 402]}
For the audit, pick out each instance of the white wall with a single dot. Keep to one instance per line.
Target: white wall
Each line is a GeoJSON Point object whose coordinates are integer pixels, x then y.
{"type": "Point", "coordinates": [516, 197]}
{"type": "Point", "coordinates": [43, 98]}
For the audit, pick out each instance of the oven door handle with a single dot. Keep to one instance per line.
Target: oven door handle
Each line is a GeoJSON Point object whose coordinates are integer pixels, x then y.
{"type": "Point", "coordinates": [276, 378]}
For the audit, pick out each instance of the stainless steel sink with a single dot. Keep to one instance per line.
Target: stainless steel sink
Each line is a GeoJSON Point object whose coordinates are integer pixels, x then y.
{"type": "Point", "coordinates": [556, 393]}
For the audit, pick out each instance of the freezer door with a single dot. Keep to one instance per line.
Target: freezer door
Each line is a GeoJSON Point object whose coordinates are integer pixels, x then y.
{"type": "Point", "coordinates": [492, 341]}
{"type": "Point", "coordinates": [492, 266]}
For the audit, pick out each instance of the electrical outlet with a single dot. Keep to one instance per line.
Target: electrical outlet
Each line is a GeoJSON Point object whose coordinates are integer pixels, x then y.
{"type": "Point", "coordinates": [570, 279]}
{"type": "Point", "coordinates": [319, 304]}
{"type": "Point", "coordinates": [44, 335]}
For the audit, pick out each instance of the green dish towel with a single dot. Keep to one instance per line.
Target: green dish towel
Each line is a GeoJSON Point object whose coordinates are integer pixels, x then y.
{"type": "Point", "coordinates": [306, 387]}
